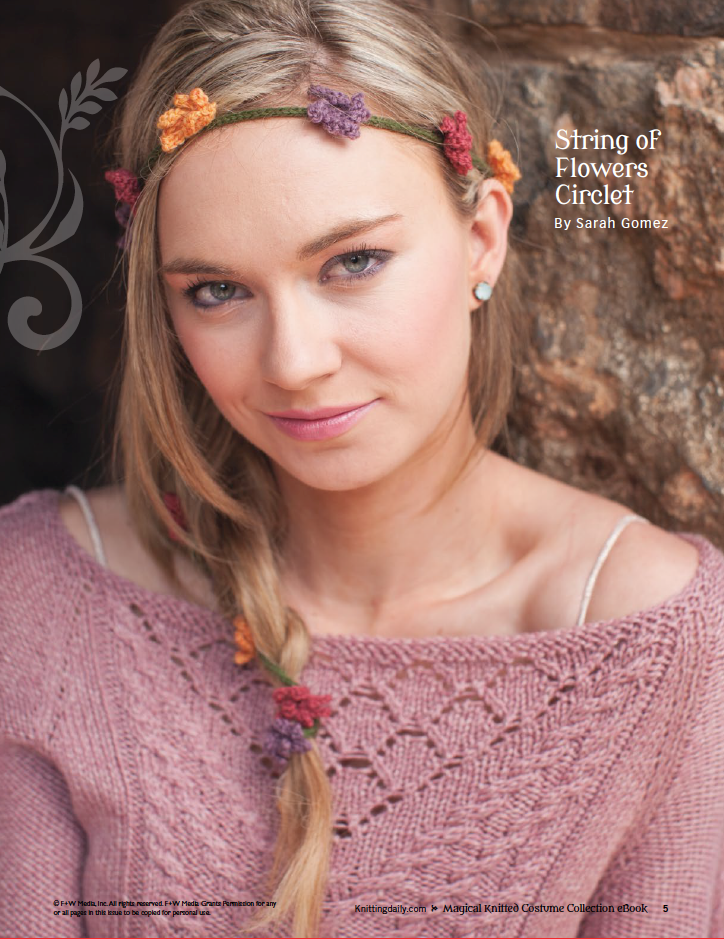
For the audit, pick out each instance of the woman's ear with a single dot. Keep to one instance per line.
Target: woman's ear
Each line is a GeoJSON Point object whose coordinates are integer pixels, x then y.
{"type": "Point", "coordinates": [489, 235]}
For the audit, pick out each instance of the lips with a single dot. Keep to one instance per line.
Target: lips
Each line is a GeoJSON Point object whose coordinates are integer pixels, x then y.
{"type": "Point", "coordinates": [322, 423]}
{"type": "Point", "coordinates": [318, 414]}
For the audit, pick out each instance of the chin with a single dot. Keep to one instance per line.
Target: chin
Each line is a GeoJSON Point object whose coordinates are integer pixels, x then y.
{"type": "Point", "coordinates": [337, 471]}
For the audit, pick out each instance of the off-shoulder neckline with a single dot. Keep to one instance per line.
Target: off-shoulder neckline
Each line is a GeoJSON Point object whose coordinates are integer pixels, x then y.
{"type": "Point", "coordinates": [188, 611]}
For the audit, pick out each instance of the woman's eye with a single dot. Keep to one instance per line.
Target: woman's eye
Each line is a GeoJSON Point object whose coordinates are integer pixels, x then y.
{"type": "Point", "coordinates": [210, 293]}
{"type": "Point", "coordinates": [357, 264]}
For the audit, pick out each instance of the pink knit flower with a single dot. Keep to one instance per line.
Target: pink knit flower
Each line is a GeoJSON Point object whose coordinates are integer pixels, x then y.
{"type": "Point", "coordinates": [458, 141]}
{"type": "Point", "coordinates": [297, 703]}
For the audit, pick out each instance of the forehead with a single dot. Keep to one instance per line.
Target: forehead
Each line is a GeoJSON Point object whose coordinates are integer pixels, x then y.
{"type": "Point", "coordinates": [286, 175]}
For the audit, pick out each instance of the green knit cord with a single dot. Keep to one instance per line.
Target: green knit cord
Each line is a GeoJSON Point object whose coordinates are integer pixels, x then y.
{"type": "Point", "coordinates": [386, 123]}
{"type": "Point", "coordinates": [286, 680]}
{"type": "Point", "coordinates": [276, 670]}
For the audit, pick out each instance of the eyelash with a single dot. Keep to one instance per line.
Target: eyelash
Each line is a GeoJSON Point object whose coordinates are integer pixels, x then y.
{"type": "Point", "coordinates": [192, 289]}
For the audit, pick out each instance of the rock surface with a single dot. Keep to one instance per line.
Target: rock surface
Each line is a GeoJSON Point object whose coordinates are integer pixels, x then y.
{"type": "Point", "coordinates": [624, 394]}
{"type": "Point", "coordinates": [659, 17]}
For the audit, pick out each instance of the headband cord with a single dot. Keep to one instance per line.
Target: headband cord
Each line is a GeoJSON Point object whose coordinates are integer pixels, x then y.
{"type": "Point", "coordinates": [385, 123]}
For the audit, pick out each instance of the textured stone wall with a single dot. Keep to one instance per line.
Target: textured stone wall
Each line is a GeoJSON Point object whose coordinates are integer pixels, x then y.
{"type": "Point", "coordinates": [624, 394]}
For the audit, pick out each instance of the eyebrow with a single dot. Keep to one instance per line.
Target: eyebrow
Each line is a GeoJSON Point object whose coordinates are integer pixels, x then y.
{"type": "Point", "coordinates": [356, 226]}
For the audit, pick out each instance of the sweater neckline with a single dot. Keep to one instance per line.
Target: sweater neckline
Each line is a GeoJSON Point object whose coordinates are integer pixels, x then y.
{"type": "Point", "coordinates": [350, 646]}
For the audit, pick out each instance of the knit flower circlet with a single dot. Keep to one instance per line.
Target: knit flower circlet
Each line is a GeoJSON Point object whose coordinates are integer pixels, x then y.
{"type": "Point", "coordinates": [338, 113]}
{"type": "Point", "coordinates": [298, 710]}
{"type": "Point", "coordinates": [297, 719]}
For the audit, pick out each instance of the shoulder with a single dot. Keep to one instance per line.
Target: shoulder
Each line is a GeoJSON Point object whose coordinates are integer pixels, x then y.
{"type": "Point", "coordinates": [126, 555]}
{"type": "Point", "coordinates": [644, 567]}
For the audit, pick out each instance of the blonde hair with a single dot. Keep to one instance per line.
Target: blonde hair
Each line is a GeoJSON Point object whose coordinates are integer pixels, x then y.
{"type": "Point", "coordinates": [169, 434]}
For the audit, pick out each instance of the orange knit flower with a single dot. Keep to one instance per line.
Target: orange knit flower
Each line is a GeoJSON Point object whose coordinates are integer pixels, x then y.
{"type": "Point", "coordinates": [244, 643]}
{"type": "Point", "coordinates": [191, 112]}
{"type": "Point", "coordinates": [501, 163]}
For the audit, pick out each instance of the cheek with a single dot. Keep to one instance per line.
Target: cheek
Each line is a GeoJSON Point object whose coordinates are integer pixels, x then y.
{"type": "Point", "coordinates": [213, 358]}
{"type": "Point", "coordinates": [427, 340]}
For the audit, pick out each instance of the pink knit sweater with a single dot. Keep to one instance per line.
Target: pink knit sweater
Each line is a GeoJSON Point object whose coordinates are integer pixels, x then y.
{"type": "Point", "coordinates": [513, 786]}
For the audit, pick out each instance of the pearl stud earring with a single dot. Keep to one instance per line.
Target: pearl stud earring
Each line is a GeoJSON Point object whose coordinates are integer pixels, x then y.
{"type": "Point", "coordinates": [483, 290]}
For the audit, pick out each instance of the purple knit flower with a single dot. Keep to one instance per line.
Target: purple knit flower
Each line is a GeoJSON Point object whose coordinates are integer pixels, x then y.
{"type": "Point", "coordinates": [123, 215]}
{"type": "Point", "coordinates": [337, 112]}
{"type": "Point", "coordinates": [285, 738]}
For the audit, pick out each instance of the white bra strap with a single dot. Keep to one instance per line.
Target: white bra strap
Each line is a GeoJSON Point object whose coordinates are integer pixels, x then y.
{"type": "Point", "coordinates": [91, 522]}
{"type": "Point", "coordinates": [611, 541]}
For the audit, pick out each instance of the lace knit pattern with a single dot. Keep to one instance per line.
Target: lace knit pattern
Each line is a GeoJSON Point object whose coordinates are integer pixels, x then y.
{"type": "Point", "coordinates": [577, 767]}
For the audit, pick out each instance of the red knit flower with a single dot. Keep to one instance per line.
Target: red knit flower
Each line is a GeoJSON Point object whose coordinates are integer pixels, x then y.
{"type": "Point", "coordinates": [173, 504]}
{"type": "Point", "coordinates": [458, 141]}
{"type": "Point", "coordinates": [297, 703]}
{"type": "Point", "coordinates": [127, 189]}
{"type": "Point", "coordinates": [125, 184]}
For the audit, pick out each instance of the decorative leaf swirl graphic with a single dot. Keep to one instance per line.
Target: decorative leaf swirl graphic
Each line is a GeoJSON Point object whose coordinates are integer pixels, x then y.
{"type": "Point", "coordinates": [80, 101]}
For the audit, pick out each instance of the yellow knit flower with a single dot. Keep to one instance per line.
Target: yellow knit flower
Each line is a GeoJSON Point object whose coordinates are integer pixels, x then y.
{"type": "Point", "coordinates": [191, 112]}
{"type": "Point", "coordinates": [502, 165]}
{"type": "Point", "coordinates": [244, 643]}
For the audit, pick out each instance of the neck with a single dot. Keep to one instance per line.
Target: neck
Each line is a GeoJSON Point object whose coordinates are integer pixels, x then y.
{"type": "Point", "coordinates": [369, 556]}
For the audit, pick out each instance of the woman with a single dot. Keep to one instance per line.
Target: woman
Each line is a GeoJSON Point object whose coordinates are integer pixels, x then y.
{"type": "Point", "coordinates": [496, 700]}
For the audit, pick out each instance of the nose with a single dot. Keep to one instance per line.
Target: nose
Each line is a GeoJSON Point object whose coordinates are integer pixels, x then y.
{"type": "Point", "coordinates": [301, 343]}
